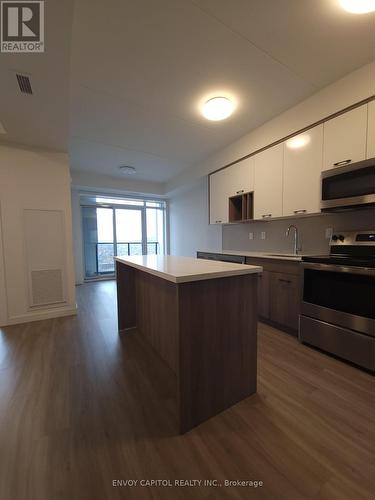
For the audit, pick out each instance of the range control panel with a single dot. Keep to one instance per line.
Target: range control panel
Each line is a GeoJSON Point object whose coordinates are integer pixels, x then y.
{"type": "Point", "coordinates": [357, 238]}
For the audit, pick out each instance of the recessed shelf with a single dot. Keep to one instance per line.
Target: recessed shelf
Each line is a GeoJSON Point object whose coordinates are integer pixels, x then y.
{"type": "Point", "coordinates": [241, 207]}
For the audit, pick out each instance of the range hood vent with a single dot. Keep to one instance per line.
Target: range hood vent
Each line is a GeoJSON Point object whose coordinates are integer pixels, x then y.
{"type": "Point", "coordinates": [24, 84]}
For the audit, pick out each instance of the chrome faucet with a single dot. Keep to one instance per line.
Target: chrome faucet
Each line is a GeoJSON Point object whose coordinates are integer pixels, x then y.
{"type": "Point", "coordinates": [296, 248]}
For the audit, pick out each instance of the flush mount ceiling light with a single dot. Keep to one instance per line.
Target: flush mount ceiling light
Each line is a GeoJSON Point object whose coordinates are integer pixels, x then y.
{"type": "Point", "coordinates": [127, 170]}
{"type": "Point", "coordinates": [218, 108]}
{"type": "Point", "coordinates": [298, 142]}
{"type": "Point", "coordinates": [358, 6]}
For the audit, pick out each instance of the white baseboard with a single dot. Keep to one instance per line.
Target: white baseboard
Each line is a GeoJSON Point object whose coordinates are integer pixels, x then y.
{"type": "Point", "coordinates": [40, 315]}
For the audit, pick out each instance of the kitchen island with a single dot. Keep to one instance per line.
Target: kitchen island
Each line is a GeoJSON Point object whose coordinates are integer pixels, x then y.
{"type": "Point", "coordinates": [201, 319]}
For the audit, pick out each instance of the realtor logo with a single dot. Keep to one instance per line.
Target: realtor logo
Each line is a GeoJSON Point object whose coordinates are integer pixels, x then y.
{"type": "Point", "coordinates": [22, 26]}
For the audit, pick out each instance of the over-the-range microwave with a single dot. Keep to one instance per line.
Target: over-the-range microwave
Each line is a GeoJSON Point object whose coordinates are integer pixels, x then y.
{"type": "Point", "coordinates": [349, 186]}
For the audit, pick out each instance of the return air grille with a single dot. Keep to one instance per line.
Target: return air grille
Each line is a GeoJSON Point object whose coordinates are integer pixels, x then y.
{"type": "Point", "coordinates": [24, 84]}
{"type": "Point", "coordinates": [47, 287]}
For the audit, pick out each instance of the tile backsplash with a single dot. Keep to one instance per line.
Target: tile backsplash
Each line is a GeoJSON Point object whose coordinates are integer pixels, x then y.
{"type": "Point", "coordinates": [312, 232]}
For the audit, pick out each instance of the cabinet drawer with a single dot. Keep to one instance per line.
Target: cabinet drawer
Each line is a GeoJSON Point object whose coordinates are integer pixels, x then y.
{"type": "Point", "coordinates": [275, 265]}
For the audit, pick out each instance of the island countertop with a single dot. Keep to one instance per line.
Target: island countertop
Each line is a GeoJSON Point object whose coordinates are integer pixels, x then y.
{"type": "Point", "coordinates": [186, 269]}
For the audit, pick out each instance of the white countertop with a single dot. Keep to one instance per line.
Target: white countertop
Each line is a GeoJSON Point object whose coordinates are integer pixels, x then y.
{"type": "Point", "coordinates": [185, 269]}
{"type": "Point", "coordinates": [259, 255]}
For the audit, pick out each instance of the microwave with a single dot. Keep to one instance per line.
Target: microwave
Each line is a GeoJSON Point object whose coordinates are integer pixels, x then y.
{"type": "Point", "coordinates": [349, 186]}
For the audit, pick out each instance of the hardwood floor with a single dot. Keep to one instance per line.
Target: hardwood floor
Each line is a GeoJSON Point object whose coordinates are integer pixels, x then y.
{"type": "Point", "coordinates": [81, 406]}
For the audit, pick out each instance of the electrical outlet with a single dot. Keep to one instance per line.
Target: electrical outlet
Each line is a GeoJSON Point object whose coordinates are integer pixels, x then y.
{"type": "Point", "coordinates": [251, 236]}
{"type": "Point", "coordinates": [263, 235]}
{"type": "Point", "coordinates": [329, 232]}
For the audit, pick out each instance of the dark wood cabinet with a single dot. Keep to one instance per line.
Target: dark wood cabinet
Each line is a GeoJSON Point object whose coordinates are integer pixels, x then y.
{"type": "Point", "coordinates": [278, 288]}
{"type": "Point", "coordinates": [264, 294]}
{"type": "Point", "coordinates": [284, 299]}
{"type": "Point", "coordinates": [278, 292]}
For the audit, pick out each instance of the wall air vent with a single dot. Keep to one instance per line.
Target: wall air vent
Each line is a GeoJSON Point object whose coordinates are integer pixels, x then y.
{"type": "Point", "coordinates": [24, 84]}
{"type": "Point", "coordinates": [46, 287]}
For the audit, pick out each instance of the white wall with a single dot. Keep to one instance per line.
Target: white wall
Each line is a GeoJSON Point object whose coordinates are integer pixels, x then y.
{"type": "Point", "coordinates": [3, 298]}
{"type": "Point", "coordinates": [31, 179]}
{"type": "Point", "coordinates": [85, 181]}
{"type": "Point", "coordinates": [77, 237]}
{"type": "Point", "coordinates": [188, 215]}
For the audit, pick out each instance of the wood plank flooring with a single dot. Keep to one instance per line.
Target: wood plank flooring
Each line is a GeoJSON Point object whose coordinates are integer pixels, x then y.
{"type": "Point", "coordinates": [81, 406]}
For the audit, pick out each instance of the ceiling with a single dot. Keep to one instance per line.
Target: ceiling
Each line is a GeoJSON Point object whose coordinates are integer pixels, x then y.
{"type": "Point", "coordinates": [139, 70]}
{"type": "Point", "coordinates": [41, 119]}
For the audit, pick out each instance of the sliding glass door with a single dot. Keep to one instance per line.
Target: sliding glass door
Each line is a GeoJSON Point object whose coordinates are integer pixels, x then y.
{"type": "Point", "coordinates": [129, 238]}
{"type": "Point", "coordinates": [105, 248]}
{"type": "Point", "coordinates": [137, 229]}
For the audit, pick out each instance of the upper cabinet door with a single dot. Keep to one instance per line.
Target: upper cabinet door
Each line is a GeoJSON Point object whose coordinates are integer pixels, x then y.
{"type": "Point", "coordinates": [219, 194]}
{"type": "Point", "coordinates": [371, 130]}
{"type": "Point", "coordinates": [241, 177]}
{"type": "Point", "coordinates": [303, 156]}
{"type": "Point", "coordinates": [268, 183]}
{"type": "Point", "coordinates": [345, 138]}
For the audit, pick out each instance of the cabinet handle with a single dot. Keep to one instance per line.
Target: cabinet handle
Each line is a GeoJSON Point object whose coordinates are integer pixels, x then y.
{"type": "Point", "coordinates": [341, 163]}
{"type": "Point", "coordinates": [284, 281]}
{"type": "Point", "coordinates": [264, 216]}
{"type": "Point", "coordinates": [239, 192]}
{"type": "Point", "coordinates": [302, 211]}
{"type": "Point", "coordinates": [218, 222]}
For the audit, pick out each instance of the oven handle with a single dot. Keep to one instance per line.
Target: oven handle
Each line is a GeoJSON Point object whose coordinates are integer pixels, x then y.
{"type": "Point", "coordinates": [366, 271]}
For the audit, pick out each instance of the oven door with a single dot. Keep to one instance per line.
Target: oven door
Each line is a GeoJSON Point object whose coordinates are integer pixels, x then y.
{"type": "Point", "coordinates": [340, 295]}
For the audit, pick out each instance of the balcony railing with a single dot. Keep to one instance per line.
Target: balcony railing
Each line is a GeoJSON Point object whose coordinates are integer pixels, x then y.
{"type": "Point", "coordinates": [106, 251]}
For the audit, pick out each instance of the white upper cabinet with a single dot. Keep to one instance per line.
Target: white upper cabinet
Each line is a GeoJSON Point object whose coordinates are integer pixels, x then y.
{"type": "Point", "coordinates": [219, 194]}
{"type": "Point", "coordinates": [241, 177]}
{"type": "Point", "coordinates": [268, 183]}
{"type": "Point", "coordinates": [371, 130]}
{"type": "Point", "coordinates": [303, 157]}
{"type": "Point", "coordinates": [345, 138]}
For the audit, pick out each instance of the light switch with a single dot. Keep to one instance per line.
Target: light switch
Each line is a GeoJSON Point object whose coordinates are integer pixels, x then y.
{"type": "Point", "coordinates": [329, 232]}
{"type": "Point", "coordinates": [251, 236]}
{"type": "Point", "coordinates": [263, 235]}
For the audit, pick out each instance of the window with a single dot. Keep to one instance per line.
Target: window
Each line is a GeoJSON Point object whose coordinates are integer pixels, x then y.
{"type": "Point", "coordinates": [114, 226]}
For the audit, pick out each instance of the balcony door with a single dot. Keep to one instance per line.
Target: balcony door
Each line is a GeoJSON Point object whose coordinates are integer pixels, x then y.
{"type": "Point", "coordinates": [136, 229]}
{"type": "Point", "coordinates": [129, 231]}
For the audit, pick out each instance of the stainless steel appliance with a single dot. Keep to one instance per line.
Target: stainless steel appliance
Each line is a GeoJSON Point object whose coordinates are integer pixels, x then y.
{"type": "Point", "coordinates": [338, 298]}
{"type": "Point", "coordinates": [348, 186]}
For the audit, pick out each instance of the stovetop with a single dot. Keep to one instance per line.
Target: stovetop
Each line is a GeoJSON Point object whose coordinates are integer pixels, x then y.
{"type": "Point", "coordinates": [342, 260]}
{"type": "Point", "coordinates": [352, 248]}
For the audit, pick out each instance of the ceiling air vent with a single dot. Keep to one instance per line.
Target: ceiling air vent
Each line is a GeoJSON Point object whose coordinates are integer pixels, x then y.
{"type": "Point", "coordinates": [24, 84]}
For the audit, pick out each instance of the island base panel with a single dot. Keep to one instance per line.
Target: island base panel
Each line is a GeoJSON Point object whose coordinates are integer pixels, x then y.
{"type": "Point", "coordinates": [218, 346]}
{"type": "Point", "coordinates": [126, 297]}
{"type": "Point", "coordinates": [205, 331]}
{"type": "Point", "coordinates": [157, 316]}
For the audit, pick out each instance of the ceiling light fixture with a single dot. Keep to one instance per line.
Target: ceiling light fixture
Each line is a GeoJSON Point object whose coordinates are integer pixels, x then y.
{"type": "Point", "coordinates": [218, 108]}
{"type": "Point", "coordinates": [298, 142]}
{"type": "Point", "coordinates": [127, 170]}
{"type": "Point", "coordinates": [358, 6]}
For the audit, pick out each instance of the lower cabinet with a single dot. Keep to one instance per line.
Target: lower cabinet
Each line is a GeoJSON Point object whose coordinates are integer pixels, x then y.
{"type": "Point", "coordinates": [278, 292]}
{"type": "Point", "coordinates": [284, 299]}
{"type": "Point", "coordinates": [278, 288]}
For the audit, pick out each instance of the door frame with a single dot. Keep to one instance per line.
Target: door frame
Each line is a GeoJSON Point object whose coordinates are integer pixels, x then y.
{"type": "Point", "coordinates": [143, 208]}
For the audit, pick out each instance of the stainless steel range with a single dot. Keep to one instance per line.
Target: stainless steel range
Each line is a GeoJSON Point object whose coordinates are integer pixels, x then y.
{"type": "Point", "coordinates": [338, 298]}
